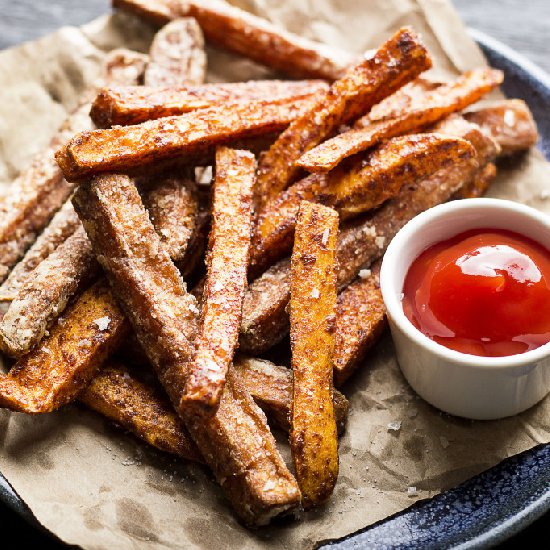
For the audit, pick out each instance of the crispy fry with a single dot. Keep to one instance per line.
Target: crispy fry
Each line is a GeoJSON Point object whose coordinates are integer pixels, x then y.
{"type": "Point", "coordinates": [509, 122]}
{"type": "Point", "coordinates": [62, 225]}
{"type": "Point", "coordinates": [125, 67]}
{"type": "Point", "coordinates": [360, 321]}
{"type": "Point", "coordinates": [402, 58]}
{"type": "Point", "coordinates": [455, 125]}
{"type": "Point", "coordinates": [140, 408]}
{"type": "Point", "coordinates": [403, 99]}
{"type": "Point", "coordinates": [45, 294]}
{"type": "Point", "coordinates": [177, 139]}
{"type": "Point", "coordinates": [243, 456]}
{"type": "Point", "coordinates": [141, 273]}
{"type": "Point", "coordinates": [235, 441]}
{"type": "Point", "coordinates": [226, 281]}
{"type": "Point", "coordinates": [136, 104]}
{"type": "Point", "coordinates": [68, 358]}
{"type": "Point", "coordinates": [271, 387]}
{"type": "Point", "coordinates": [193, 260]}
{"type": "Point", "coordinates": [428, 109]}
{"type": "Point", "coordinates": [34, 197]}
{"type": "Point", "coordinates": [360, 185]}
{"type": "Point", "coordinates": [241, 32]}
{"type": "Point", "coordinates": [158, 12]}
{"type": "Point", "coordinates": [313, 433]}
{"type": "Point", "coordinates": [479, 185]}
{"type": "Point", "coordinates": [265, 321]}
{"type": "Point", "coordinates": [172, 204]}
{"type": "Point", "coordinates": [177, 55]}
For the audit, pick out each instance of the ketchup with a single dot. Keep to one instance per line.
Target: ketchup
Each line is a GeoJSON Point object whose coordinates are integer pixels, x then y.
{"type": "Point", "coordinates": [484, 292]}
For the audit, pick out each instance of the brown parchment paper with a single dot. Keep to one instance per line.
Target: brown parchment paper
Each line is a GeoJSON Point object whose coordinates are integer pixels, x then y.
{"type": "Point", "coordinates": [95, 486]}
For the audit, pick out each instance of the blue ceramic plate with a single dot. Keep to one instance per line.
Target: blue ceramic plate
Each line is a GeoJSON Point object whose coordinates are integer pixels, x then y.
{"type": "Point", "coordinates": [502, 501]}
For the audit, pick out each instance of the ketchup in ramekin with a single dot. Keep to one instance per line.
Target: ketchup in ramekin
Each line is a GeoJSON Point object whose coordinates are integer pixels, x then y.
{"type": "Point", "coordinates": [484, 292]}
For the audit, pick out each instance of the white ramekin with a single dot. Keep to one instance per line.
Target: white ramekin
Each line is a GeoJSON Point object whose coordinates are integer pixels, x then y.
{"type": "Point", "coordinates": [465, 385]}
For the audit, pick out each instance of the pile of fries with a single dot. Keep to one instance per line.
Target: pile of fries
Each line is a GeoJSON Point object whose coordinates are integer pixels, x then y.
{"type": "Point", "coordinates": [102, 237]}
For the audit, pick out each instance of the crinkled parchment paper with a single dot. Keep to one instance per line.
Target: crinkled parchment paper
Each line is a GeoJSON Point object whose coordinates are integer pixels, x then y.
{"type": "Point", "coordinates": [93, 485]}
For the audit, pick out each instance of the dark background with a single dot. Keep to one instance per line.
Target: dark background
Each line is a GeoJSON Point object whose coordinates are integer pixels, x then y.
{"type": "Point", "coordinates": [522, 24]}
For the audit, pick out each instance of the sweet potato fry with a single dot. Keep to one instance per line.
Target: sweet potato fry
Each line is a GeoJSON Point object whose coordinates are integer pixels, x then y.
{"type": "Point", "coordinates": [360, 321]}
{"type": "Point", "coordinates": [139, 408]}
{"type": "Point", "coordinates": [235, 441]}
{"type": "Point", "coordinates": [241, 32]}
{"type": "Point", "coordinates": [124, 67]}
{"type": "Point", "coordinates": [68, 358]}
{"type": "Point", "coordinates": [402, 58]}
{"type": "Point", "coordinates": [479, 185]}
{"type": "Point", "coordinates": [157, 12]}
{"type": "Point", "coordinates": [177, 55]}
{"type": "Point", "coordinates": [242, 453]}
{"type": "Point", "coordinates": [173, 206]}
{"type": "Point", "coordinates": [193, 260]}
{"type": "Point", "coordinates": [265, 321]}
{"type": "Point", "coordinates": [45, 294]}
{"type": "Point", "coordinates": [313, 433]}
{"type": "Point", "coordinates": [509, 122]}
{"type": "Point", "coordinates": [62, 225]}
{"type": "Point", "coordinates": [141, 273]}
{"type": "Point", "coordinates": [434, 106]}
{"type": "Point", "coordinates": [136, 104]}
{"type": "Point", "coordinates": [455, 125]}
{"type": "Point", "coordinates": [271, 387]}
{"type": "Point", "coordinates": [34, 197]}
{"type": "Point", "coordinates": [403, 99]}
{"type": "Point", "coordinates": [360, 185]}
{"type": "Point", "coordinates": [180, 139]}
{"type": "Point", "coordinates": [226, 280]}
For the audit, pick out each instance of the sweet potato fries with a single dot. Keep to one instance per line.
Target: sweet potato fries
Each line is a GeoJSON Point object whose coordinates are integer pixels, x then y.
{"type": "Point", "coordinates": [195, 274]}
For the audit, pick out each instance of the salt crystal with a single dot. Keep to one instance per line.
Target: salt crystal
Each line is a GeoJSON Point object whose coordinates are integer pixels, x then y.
{"type": "Point", "coordinates": [370, 230]}
{"type": "Point", "coordinates": [380, 241]}
{"type": "Point", "coordinates": [193, 308]}
{"type": "Point", "coordinates": [315, 293]}
{"type": "Point", "coordinates": [269, 485]}
{"type": "Point", "coordinates": [411, 491]}
{"type": "Point", "coordinates": [509, 117]}
{"type": "Point", "coordinates": [394, 426]}
{"type": "Point", "coordinates": [324, 239]}
{"type": "Point", "coordinates": [365, 273]}
{"type": "Point", "coordinates": [103, 323]}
